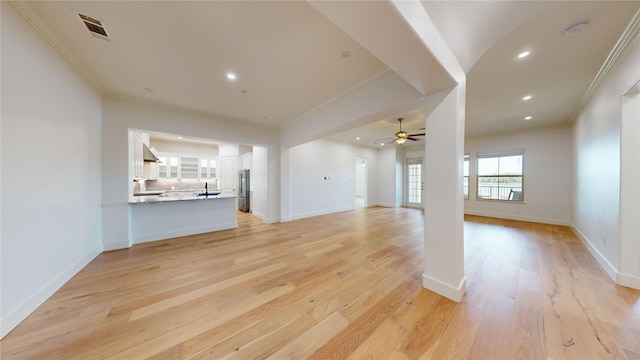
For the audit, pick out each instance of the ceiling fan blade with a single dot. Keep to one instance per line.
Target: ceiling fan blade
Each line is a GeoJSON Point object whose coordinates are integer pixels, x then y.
{"type": "Point", "coordinates": [412, 139]}
{"type": "Point", "coordinates": [384, 141]}
{"type": "Point", "coordinates": [417, 134]}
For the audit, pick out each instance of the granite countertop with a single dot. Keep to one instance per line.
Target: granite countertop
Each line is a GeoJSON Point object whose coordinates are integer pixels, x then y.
{"type": "Point", "coordinates": [159, 199]}
{"type": "Point", "coordinates": [148, 192]}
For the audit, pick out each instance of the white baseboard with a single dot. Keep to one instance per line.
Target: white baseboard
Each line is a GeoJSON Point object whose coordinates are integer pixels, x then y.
{"type": "Point", "coordinates": [629, 281]}
{"type": "Point", "coordinates": [183, 232]}
{"type": "Point", "coordinates": [14, 318]}
{"type": "Point", "coordinates": [601, 259]}
{"type": "Point", "coordinates": [518, 217]}
{"type": "Point", "coordinates": [285, 219]}
{"type": "Point", "coordinates": [271, 220]}
{"type": "Point", "coordinates": [259, 215]}
{"type": "Point", "coordinates": [115, 245]}
{"type": "Point", "coordinates": [450, 292]}
{"type": "Point", "coordinates": [318, 213]}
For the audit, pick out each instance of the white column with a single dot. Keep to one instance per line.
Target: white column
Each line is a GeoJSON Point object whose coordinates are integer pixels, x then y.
{"type": "Point", "coordinates": [443, 199]}
{"type": "Point", "coordinates": [285, 184]}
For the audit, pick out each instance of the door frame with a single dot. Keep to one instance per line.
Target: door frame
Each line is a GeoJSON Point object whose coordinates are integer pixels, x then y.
{"type": "Point", "coordinates": [408, 162]}
{"type": "Point", "coordinates": [362, 162]}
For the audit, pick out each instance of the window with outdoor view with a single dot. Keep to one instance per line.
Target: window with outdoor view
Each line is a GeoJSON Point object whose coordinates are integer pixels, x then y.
{"type": "Point", "coordinates": [501, 176]}
{"type": "Point", "coordinates": [465, 175]}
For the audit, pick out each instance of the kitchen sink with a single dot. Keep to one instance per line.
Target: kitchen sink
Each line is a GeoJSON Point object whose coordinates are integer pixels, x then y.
{"type": "Point", "coordinates": [209, 193]}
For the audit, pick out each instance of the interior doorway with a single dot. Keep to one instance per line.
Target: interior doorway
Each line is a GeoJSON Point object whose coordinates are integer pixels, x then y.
{"type": "Point", "coordinates": [415, 183]}
{"type": "Point", "coordinates": [360, 183]}
{"type": "Point", "coordinates": [629, 194]}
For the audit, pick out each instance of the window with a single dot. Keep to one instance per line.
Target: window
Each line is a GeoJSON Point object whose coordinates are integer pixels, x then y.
{"type": "Point", "coordinates": [465, 176]}
{"type": "Point", "coordinates": [500, 176]}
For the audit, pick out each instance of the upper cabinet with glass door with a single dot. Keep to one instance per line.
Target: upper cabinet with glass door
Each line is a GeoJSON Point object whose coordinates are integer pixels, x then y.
{"type": "Point", "coordinates": [207, 168]}
{"type": "Point", "coordinates": [168, 166]}
{"type": "Point", "coordinates": [186, 167]}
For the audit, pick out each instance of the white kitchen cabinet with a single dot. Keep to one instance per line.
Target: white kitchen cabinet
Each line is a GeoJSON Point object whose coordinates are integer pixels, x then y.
{"type": "Point", "coordinates": [208, 169]}
{"type": "Point", "coordinates": [136, 154]}
{"type": "Point", "coordinates": [229, 175]}
{"type": "Point", "coordinates": [188, 167]}
{"type": "Point", "coordinates": [167, 166]}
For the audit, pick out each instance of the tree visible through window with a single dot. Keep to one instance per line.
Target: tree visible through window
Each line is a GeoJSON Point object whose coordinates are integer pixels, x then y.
{"type": "Point", "coordinates": [501, 176]}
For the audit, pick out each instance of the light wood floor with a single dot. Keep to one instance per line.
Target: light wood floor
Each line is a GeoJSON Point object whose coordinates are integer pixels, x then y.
{"type": "Point", "coordinates": [345, 285]}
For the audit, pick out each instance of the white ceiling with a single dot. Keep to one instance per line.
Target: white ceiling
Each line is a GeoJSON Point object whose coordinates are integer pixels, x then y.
{"type": "Point", "coordinates": [487, 36]}
{"type": "Point", "coordinates": [287, 57]}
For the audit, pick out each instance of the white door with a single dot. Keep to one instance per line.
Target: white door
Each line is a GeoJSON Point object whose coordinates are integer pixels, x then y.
{"type": "Point", "coordinates": [229, 175]}
{"type": "Point", "coordinates": [415, 183]}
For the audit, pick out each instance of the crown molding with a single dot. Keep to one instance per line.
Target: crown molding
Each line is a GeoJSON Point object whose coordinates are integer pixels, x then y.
{"type": "Point", "coordinates": [22, 7]}
{"type": "Point", "coordinates": [627, 36]}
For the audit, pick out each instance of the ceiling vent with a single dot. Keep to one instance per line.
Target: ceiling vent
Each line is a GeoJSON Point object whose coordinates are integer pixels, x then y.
{"type": "Point", "coordinates": [95, 27]}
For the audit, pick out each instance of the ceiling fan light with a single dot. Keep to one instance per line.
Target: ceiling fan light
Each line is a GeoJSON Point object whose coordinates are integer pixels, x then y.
{"type": "Point", "coordinates": [400, 140]}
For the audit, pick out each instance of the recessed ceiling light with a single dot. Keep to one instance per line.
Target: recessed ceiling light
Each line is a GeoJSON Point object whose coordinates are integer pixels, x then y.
{"type": "Point", "coordinates": [524, 54]}
{"type": "Point", "coordinates": [528, 97]}
{"type": "Point", "coordinates": [231, 76]}
{"type": "Point", "coordinates": [345, 54]}
{"type": "Point", "coordinates": [381, 144]}
{"type": "Point", "coordinates": [358, 138]}
{"type": "Point", "coordinates": [528, 118]}
{"type": "Point", "coordinates": [577, 27]}
{"type": "Point", "coordinates": [179, 137]}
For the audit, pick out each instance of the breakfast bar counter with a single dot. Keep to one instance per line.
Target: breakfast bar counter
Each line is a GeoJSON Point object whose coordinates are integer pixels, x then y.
{"type": "Point", "coordinates": [163, 217]}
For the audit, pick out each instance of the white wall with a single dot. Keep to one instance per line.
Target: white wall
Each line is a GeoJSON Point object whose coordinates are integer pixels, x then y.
{"type": "Point", "coordinates": [120, 115]}
{"type": "Point", "coordinates": [547, 176]}
{"type": "Point", "coordinates": [181, 147]}
{"type": "Point", "coordinates": [629, 269]}
{"type": "Point", "coordinates": [389, 190]}
{"type": "Point", "coordinates": [360, 168]}
{"type": "Point", "coordinates": [259, 178]}
{"type": "Point", "coordinates": [51, 216]}
{"type": "Point", "coordinates": [596, 149]}
{"type": "Point", "coordinates": [401, 184]}
{"type": "Point", "coordinates": [322, 177]}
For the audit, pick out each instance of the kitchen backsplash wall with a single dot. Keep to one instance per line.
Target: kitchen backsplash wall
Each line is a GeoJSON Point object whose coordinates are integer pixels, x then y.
{"type": "Point", "coordinates": [173, 184]}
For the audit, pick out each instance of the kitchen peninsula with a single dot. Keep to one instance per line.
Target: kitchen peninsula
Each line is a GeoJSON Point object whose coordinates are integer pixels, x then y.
{"type": "Point", "coordinates": [163, 217]}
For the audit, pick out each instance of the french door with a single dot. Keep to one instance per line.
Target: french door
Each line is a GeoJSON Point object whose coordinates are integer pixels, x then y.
{"type": "Point", "coordinates": [415, 183]}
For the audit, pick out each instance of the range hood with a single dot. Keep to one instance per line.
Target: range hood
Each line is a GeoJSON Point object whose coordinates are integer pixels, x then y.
{"type": "Point", "coordinates": [148, 155]}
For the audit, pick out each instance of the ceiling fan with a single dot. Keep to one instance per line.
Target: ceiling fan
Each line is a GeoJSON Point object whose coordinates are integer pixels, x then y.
{"type": "Point", "coordinates": [402, 136]}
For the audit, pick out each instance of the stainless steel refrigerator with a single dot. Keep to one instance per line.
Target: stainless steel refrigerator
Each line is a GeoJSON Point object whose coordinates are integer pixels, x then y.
{"type": "Point", "coordinates": [244, 192]}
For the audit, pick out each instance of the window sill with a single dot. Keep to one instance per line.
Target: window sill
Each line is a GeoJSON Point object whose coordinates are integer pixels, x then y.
{"type": "Point", "coordinates": [501, 201]}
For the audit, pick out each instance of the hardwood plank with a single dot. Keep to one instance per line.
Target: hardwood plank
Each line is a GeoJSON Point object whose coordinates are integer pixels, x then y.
{"type": "Point", "coordinates": [343, 285]}
{"type": "Point", "coordinates": [310, 341]}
